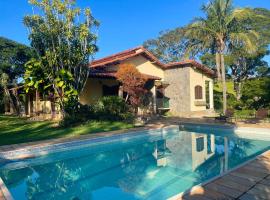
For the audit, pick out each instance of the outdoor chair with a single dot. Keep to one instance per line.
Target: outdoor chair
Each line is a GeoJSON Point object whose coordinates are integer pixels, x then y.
{"type": "Point", "coordinates": [262, 114]}
{"type": "Point", "coordinates": [227, 117]}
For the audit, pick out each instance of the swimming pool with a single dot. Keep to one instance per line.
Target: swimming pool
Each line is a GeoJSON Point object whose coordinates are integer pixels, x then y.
{"type": "Point", "coordinates": [148, 165]}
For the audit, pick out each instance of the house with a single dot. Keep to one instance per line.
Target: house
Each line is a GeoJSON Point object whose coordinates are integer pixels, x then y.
{"type": "Point", "coordinates": [183, 88]}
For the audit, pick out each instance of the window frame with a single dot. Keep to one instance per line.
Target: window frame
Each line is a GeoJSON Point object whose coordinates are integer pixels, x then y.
{"type": "Point", "coordinates": [198, 90]}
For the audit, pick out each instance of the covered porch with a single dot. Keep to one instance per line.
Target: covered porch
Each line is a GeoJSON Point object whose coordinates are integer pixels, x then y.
{"type": "Point", "coordinates": [104, 83]}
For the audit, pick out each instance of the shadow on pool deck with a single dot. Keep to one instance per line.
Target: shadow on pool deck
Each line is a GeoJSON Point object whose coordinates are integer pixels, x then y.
{"type": "Point", "coordinates": [250, 181]}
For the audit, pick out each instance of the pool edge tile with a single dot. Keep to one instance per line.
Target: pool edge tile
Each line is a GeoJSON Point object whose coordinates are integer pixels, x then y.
{"type": "Point", "coordinates": [4, 190]}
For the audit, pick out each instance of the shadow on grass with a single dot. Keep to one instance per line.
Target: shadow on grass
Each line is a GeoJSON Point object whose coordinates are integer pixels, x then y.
{"type": "Point", "coordinates": [14, 130]}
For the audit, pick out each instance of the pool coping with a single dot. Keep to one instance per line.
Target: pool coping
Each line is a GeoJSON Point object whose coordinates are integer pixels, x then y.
{"type": "Point", "coordinates": [4, 190]}
{"type": "Point", "coordinates": [182, 194]}
{"type": "Point", "coordinates": [229, 127]}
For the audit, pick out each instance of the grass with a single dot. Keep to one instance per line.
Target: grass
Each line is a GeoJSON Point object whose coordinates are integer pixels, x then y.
{"type": "Point", "coordinates": [14, 130]}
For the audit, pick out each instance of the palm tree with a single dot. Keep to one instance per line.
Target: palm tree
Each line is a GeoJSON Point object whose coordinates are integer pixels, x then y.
{"type": "Point", "coordinates": [222, 29]}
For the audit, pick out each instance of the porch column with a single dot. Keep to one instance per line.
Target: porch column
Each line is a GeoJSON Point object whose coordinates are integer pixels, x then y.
{"type": "Point", "coordinates": [154, 92]}
{"type": "Point", "coordinates": [120, 91]}
{"type": "Point", "coordinates": [211, 94]}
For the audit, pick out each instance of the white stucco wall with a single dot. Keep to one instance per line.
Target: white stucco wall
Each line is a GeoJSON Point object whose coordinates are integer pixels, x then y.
{"type": "Point", "coordinates": [146, 67]}
{"type": "Point", "coordinates": [198, 78]}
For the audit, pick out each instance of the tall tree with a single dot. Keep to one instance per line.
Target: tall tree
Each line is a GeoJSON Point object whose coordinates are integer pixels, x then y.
{"type": "Point", "coordinates": [244, 65]}
{"type": "Point", "coordinates": [169, 46]}
{"type": "Point", "coordinates": [64, 38]}
{"type": "Point", "coordinates": [241, 65]}
{"type": "Point", "coordinates": [13, 56]}
{"type": "Point", "coordinates": [222, 28]}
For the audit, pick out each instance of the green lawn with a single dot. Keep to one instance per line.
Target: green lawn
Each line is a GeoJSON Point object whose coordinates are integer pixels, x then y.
{"type": "Point", "coordinates": [14, 130]}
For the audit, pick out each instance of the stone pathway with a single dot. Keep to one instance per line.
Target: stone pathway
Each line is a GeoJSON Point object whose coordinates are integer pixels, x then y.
{"type": "Point", "coordinates": [249, 182]}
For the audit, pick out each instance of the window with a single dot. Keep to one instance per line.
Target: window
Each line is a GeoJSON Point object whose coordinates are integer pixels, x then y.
{"type": "Point", "coordinates": [110, 91]}
{"type": "Point", "coordinates": [198, 92]}
{"type": "Point", "coordinates": [200, 144]}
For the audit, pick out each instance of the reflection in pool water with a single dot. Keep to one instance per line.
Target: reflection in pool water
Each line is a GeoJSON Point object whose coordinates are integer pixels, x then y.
{"type": "Point", "coordinates": [154, 166]}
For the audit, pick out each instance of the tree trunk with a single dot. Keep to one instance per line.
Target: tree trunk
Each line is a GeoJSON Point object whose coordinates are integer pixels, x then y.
{"type": "Point", "coordinates": [238, 90]}
{"type": "Point", "coordinates": [218, 59]}
{"type": "Point", "coordinates": [9, 97]}
{"type": "Point", "coordinates": [37, 103]}
{"type": "Point", "coordinates": [224, 86]}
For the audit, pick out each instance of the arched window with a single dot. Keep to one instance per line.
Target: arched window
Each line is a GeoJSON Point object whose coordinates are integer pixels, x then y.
{"type": "Point", "coordinates": [198, 92]}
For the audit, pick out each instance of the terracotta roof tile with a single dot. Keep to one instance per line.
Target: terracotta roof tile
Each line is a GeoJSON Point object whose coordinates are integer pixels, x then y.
{"type": "Point", "coordinates": [124, 55]}
{"type": "Point", "coordinates": [112, 74]}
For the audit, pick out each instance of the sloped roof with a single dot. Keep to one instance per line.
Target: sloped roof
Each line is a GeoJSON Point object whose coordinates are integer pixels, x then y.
{"type": "Point", "coordinates": [124, 55]}
{"type": "Point", "coordinates": [112, 74]}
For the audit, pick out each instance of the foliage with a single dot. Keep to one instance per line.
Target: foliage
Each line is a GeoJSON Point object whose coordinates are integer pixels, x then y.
{"type": "Point", "coordinates": [224, 28]}
{"type": "Point", "coordinates": [110, 108]}
{"type": "Point", "coordinates": [133, 83]}
{"type": "Point", "coordinates": [231, 100]}
{"type": "Point", "coordinates": [13, 56]}
{"type": "Point", "coordinates": [169, 46]}
{"type": "Point", "coordinates": [256, 93]}
{"type": "Point", "coordinates": [77, 114]}
{"type": "Point", "coordinates": [2, 102]}
{"type": "Point", "coordinates": [245, 113]}
{"type": "Point", "coordinates": [113, 108]}
{"type": "Point", "coordinates": [229, 85]}
{"type": "Point", "coordinates": [36, 77]}
{"type": "Point", "coordinates": [7, 95]}
{"type": "Point", "coordinates": [244, 65]}
{"type": "Point", "coordinates": [63, 45]}
{"type": "Point", "coordinates": [16, 130]}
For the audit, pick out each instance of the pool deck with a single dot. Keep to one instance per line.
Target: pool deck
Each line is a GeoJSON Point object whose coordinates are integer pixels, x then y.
{"type": "Point", "coordinates": [251, 181]}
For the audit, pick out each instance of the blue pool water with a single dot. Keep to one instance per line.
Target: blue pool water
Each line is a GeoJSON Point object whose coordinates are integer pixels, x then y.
{"type": "Point", "coordinates": [151, 166]}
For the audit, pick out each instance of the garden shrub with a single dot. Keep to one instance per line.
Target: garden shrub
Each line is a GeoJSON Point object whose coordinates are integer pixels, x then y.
{"type": "Point", "coordinates": [245, 113]}
{"type": "Point", "coordinates": [76, 113]}
{"type": "Point", "coordinates": [112, 108]}
{"type": "Point", "coordinates": [256, 93]}
{"type": "Point", "coordinates": [231, 101]}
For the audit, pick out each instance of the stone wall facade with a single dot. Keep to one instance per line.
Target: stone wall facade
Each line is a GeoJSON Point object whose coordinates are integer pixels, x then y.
{"type": "Point", "coordinates": [178, 90]}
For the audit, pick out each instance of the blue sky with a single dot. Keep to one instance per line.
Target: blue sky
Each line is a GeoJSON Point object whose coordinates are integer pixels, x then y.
{"type": "Point", "coordinates": [124, 23]}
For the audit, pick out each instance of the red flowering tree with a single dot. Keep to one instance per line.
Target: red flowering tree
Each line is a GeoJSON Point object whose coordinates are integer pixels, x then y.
{"type": "Point", "coordinates": [133, 83]}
